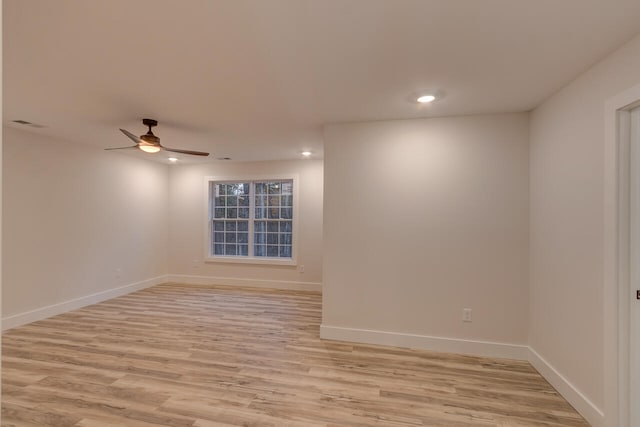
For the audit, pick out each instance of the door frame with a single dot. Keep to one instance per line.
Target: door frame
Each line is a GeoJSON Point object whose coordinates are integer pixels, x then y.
{"type": "Point", "coordinates": [617, 284]}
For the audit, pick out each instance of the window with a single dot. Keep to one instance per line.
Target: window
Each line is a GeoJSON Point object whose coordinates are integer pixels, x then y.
{"type": "Point", "coordinates": [251, 220]}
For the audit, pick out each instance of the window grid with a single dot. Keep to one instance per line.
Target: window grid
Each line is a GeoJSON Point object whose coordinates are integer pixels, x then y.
{"type": "Point", "coordinates": [230, 223]}
{"type": "Point", "coordinates": [252, 219]}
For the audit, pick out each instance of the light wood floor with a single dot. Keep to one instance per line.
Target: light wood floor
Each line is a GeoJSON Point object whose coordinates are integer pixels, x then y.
{"type": "Point", "coordinates": [194, 356]}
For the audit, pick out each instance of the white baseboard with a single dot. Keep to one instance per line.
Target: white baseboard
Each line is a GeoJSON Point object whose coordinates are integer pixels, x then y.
{"type": "Point", "coordinates": [424, 342]}
{"type": "Point", "coordinates": [62, 307]}
{"type": "Point", "coordinates": [579, 401]}
{"type": "Point", "coordinates": [254, 283]}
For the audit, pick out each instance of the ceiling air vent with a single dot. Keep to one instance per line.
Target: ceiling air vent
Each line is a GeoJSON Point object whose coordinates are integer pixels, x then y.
{"type": "Point", "coordinates": [26, 123]}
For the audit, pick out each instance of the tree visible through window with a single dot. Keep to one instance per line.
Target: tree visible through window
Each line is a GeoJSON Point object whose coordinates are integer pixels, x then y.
{"type": "Point", "coordinates": [251, 219]}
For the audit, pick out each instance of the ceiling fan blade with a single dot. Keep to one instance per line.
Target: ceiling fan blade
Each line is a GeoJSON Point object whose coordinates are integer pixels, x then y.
{"type": "Point", "coordinates": [152, 141]}
{"type": "Point", "coordinates": [131, 136]}
{"type": "Point", "coordinates": [193, 153]}
{"type": "Point", "coordinates": [121, 148]}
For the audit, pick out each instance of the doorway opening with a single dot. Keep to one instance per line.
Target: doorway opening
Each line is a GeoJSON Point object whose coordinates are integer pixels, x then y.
{"type": "Point", "coordinates": [622, 259]}
{"type": "Point", "coordinates": [633, 289]}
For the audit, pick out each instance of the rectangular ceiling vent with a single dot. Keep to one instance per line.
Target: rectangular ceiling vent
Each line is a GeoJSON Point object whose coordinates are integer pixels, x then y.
{"type": "Point", "coordinates": [26, 123]}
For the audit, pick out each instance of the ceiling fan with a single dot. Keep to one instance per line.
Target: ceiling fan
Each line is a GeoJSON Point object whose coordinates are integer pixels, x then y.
{"type": "Point", "coordinates": [149, 143]}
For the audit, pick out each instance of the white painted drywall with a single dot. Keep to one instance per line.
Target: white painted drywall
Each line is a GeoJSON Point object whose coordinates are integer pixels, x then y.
{"type": "Point", "coordinates": [187, 224]}
{"type": "Point", "coordinates": [566, 245]}
{"type": "Point", "coordinates": [424, 218]}
{"type": "Point", "coordinates": [72, 215]}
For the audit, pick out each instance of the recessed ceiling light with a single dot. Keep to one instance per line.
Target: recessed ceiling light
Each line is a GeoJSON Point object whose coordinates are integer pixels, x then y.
{"type": "Point", "coordinates": [425, 99]}
{"type": "Point", "coordinates": [306, 153]}
{"type": "Point", "coordinates": [173, 159]}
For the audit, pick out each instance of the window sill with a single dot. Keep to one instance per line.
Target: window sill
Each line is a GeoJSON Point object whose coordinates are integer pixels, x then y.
{"type": "Point", "coordinates": [254, 260]}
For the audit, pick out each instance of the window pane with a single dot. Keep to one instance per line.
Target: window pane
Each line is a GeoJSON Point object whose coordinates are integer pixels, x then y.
{"type": "Point", "coordinates": [230, 237]}
{"type": "Point", "coordinates": [218, 237]}
{"type": "Point", "coordinates": [221, 189]}
{"type": "Point", "coordinates": [272, 226]}
{"type": "Point", "coordinates": [274, 213]}
{"type": "Point", "coordinates": [260, 202]}
{"type": "Point", "coordinates": [218, 225]}
{"type": "Point", "coordinates": [259, 238]}
{"type": "Point", "coordinates": [261, 188]}
{"type": "Point", "coordinates": [285, 251]}
{"type": "Point", "coordinates": [286, 200]}
{"type": "Point", "coordinates": [259, 226]}
{"type": "Point", "coordinates": [232, 212]}
{"type": "Point", "coordinates": [243, 201]}
{"type": "Point", "coordinates": [220, 201]}
{"type": "Point", "coordinates": [243, 225]}
{"type": "Point", "coordinates": [272, 250]}
{"type": "Point", "coordinates": [287, 187]}
{"type": "Point", "coordinates": [274, 201]}
{"type": "Point", "coordinates": [285, 226]}
{"type": "Point", "coordinates": [285, 238]}
{"type": "Point", "coordinates": [274, 187]}
{"type": "Point", "coordinates": [232, 201]}
{"type": "Point", "coordinates": [243, 250]}
{"type": "Point", "coordinates": [219, 212]}
{"type": "Point", "coordinates": [286, 213]}
{"type": "Point", "coordinates": [229, 249]}
{"type": "Point", "coordinates": [218, 249]}
{"type": "Point", "coordinates": [230, 225]}
{"type": "Point", "coordinates": [243, 212]}
{"type": "Point", "coordinates": [259, 250]}
{"type": "Point", "coordinates": [272, 239]}
{"type": "Point", "coordinates": [243, 237]}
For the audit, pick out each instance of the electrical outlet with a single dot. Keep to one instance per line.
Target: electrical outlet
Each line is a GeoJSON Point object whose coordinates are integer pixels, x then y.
{"type": "Point", "coordinates": [466, 315]}
{"type": "Point", "coordinates": [301, 268]}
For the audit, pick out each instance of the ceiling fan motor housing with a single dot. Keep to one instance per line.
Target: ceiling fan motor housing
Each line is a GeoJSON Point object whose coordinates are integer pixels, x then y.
{"type": "Point", "coordinates": [149, 136]}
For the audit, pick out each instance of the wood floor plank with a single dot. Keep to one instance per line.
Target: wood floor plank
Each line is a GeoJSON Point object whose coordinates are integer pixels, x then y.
{"type": "Point", "coordinates": [198, 356]}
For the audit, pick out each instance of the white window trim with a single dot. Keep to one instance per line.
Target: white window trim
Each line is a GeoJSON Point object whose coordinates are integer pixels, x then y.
{"type": "Point", "coordinates": [208, 257]}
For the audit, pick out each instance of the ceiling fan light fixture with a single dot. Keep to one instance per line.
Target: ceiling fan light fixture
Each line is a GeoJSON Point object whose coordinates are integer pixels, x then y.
{"type": "Point", "coordinates": [149, 148]}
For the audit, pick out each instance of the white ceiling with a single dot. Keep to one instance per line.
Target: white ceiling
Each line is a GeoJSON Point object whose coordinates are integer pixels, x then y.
{"type": "Point", "coordinates": [256, 79]}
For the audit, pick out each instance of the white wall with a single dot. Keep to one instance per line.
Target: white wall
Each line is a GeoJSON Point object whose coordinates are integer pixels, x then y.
{"type": "Point", "coordinates": [567, 163]}
{"type": "Point", "coordinates": [187, 226]}
{"type": "Point", "coordinates": [422, 219]}
{"type": "Point", "coordinates": [72, 215]}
